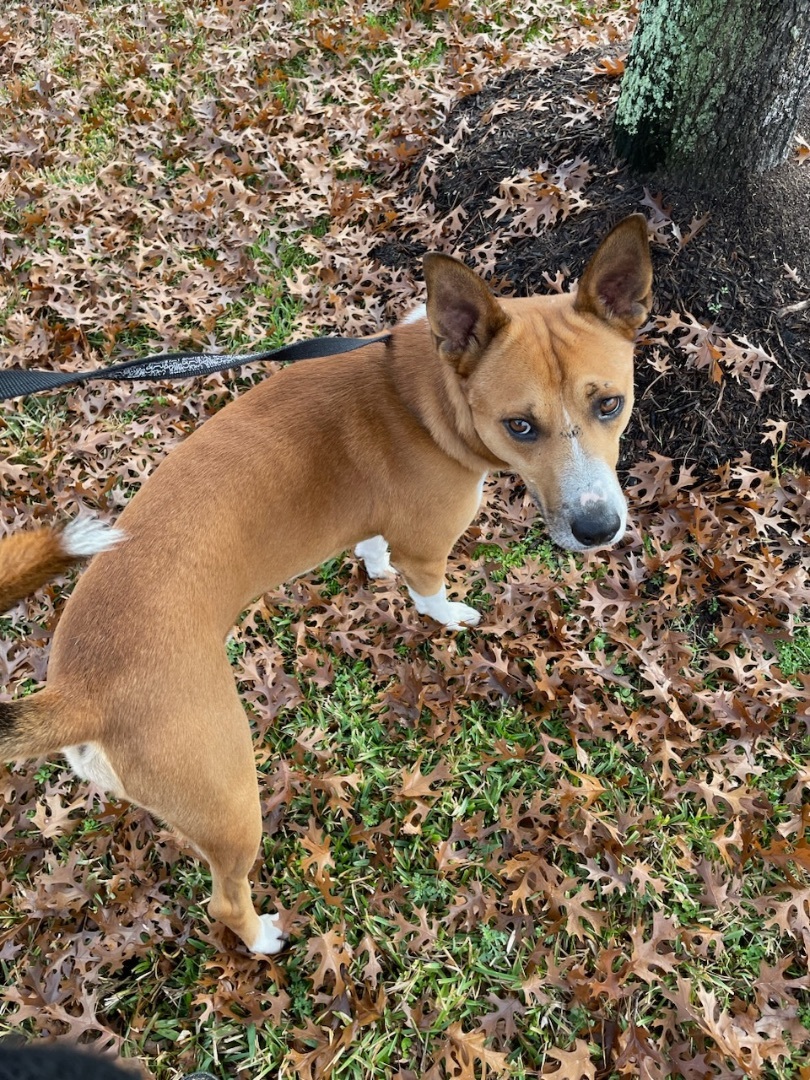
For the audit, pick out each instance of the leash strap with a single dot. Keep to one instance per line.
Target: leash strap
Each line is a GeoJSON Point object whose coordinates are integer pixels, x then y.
{"type": "Point", "coordinates": [19, 382]}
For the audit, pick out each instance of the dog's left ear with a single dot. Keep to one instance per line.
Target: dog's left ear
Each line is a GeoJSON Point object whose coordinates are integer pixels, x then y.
{"type": "Point", "coordinates": [463, 314]}
{"type": "Point", "coordinates": [617, 283]}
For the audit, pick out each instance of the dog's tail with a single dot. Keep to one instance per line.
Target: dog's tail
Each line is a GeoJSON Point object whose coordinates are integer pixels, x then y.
{"type": "Point", "coordinates": [37, 725]}
{"type": "Point", "coordinates": [29, 559]}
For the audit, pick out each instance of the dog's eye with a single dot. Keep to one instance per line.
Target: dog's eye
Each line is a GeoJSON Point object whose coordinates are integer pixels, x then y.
{"type": "Point", "coordinates": [610, 406]}
{"type": "Point", "coordinates": [520, 429]}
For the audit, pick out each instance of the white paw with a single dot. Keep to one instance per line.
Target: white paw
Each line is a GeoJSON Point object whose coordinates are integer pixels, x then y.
{"type": "Point", "coordinates": [271, 938]}
{"type": "Point", "coordinates": [460, 615]}
{"type": "Point", "coordinates": [376, 556]}
{"type": "Point", "coordinates": [454, 615]}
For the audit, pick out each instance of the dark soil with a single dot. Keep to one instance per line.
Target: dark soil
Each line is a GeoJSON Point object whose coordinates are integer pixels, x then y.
{"type": "Point", "coordinates": [731, 274]}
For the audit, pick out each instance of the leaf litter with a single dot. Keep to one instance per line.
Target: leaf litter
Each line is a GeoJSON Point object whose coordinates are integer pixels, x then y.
{"type": "Point", "coordinates": [572, 843]}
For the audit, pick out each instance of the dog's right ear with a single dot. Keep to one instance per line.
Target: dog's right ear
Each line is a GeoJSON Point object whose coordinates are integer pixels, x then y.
{"type": "Point", "coordinates": [463, 314]}
{"type": "Point", "coordinates": [617, 282]}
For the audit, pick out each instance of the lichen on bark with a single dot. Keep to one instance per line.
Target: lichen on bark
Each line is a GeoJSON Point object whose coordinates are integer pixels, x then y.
{"type": "Point", "coordinates": [713, 88]}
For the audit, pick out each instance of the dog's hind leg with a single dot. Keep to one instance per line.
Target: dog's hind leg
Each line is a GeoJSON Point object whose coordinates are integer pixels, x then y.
{"type": "Point", "coordinates": [199, 777]}
{"type": "Point", "coordinates": [225, 826]}
{"type": "Point", "coordinates": [231, 901]}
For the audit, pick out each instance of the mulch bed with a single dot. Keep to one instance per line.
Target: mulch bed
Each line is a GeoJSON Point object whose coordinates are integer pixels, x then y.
{"type": "Point", "coordinates": [731, 275]}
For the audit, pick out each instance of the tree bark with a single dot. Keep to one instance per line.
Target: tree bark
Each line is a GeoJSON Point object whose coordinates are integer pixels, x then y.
{"type": "Point", "coordinates": [714, 87]}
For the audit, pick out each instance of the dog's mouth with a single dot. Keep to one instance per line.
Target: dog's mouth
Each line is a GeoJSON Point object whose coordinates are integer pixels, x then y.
{"type": "Point", "coordinates": [599, 525]}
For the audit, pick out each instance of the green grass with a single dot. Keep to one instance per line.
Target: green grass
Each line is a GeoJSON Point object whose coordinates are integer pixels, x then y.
{"type": "Point", "coordinates": [457, 971]}
{"type": "Point", "coordinates": [535, 545]}
{"type": "Point", "coordinates": [794, 654]}
{"type": "Point", "coordinates": [37, 422]}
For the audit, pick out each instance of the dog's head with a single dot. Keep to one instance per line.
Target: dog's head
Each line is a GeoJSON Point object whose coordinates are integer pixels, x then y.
{"type": "Point", "coordinates": [549, 379]}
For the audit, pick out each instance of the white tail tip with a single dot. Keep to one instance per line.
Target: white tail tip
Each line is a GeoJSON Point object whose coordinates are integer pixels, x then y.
{"type": "Point", "coordinates": [87, 536]}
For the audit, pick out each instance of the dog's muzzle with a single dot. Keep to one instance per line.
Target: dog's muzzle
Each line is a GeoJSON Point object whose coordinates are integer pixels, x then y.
{"type": "Point", "coordinates": [596, 529]}
{"type": "Point", "coordinates": [601, 525]}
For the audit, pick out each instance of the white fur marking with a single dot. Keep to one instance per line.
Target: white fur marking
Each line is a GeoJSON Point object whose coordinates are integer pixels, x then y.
{"type": "Point", "coordinates": [576, 448]}
{"type": "Point", "coordinates": [587, 482]}
{"type": "Point", "coordinates": [90, 762]}
{"type": "Point", "coordinates": [88, 536]}
{"type": "Point", "coordinates": [453, 615]}
{"type": "Point", "coordinates": [416, 315]}
{"type": "Point", "coordinates": [271, 938]}
{"type": "Point", "coordinates": [376, 556]}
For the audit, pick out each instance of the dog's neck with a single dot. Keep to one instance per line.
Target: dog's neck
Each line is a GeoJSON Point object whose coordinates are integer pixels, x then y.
{"type": "Point", "coordinates": [433, 394]}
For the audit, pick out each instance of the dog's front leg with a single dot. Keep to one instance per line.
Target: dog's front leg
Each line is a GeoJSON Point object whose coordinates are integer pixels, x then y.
{"type": "Point", "coordinates": [454, 614]}
{"type": "Point", "coordinates": [376, 557]}
{"type": "Point", "coordinates": [425, 581]}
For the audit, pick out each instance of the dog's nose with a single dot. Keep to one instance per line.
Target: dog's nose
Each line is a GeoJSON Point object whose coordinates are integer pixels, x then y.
{"type": "Point", "coordinates": [596, 529]}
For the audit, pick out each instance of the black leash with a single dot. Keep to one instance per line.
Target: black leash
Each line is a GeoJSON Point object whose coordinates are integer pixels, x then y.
{"type": "Point", "coordinates": [19, 382]}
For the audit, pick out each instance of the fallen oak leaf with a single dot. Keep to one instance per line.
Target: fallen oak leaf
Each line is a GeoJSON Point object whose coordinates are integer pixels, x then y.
{"type": "Point", "coordinates": [415, 785]}
{"type": "Point", "coordinates": [335, 956]}
{"type": "Point", "coordinates": [461, 1051]}
{"type": "Point", "coordinates": [338, 788]}
{"type": "Point", "coordinates": [319, 861]}
{"type": "Point", "coordinates": [416, 788]}
{"type": "Point", "coordinates": [576, 1064]}
{"type": "Point", "coordinates": [584, 795]}
{"type": "Point", "coordinates": [646, 959]}
{"type": "Point", "coordinates": [318, 845]}
{"type": "Point", "coordinates": [774, 984]}
{"type": "Point", "coordinates": [373, 968]}
{"type": "Point", "coordinates": [416, 936]}
{"type": "Point", "coordinates": [52, 815]}
{"type": "Point", "coordinates": [612, 66]}
{"type": "Point", "coordinates": [775, 432]}
{"type": "Point", "coordinates": [500, 1022]}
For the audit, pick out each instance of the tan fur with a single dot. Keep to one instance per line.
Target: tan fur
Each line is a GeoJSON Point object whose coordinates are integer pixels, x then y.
{"type": "Point", "coordinates": [28, 560]}
{"type": "Point", "coordinates": [392, 440]}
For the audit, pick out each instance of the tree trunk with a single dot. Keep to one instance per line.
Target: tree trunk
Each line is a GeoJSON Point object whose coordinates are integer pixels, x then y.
{"type": "Point", "coordinates": [714, 87]}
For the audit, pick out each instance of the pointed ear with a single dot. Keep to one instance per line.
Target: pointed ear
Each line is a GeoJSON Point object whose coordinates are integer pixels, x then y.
{"type": "Point", "coordinates": [617, 281]}
{"type": "Point", "coordinates": [463, 314]}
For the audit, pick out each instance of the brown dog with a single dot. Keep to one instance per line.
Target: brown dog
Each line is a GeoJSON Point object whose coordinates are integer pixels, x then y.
{"type": "Point", "coordinates": [392, 444]}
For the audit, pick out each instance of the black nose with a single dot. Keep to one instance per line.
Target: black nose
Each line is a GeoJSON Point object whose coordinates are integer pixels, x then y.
{"type": "Point", "coordinates": [593, 530]}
